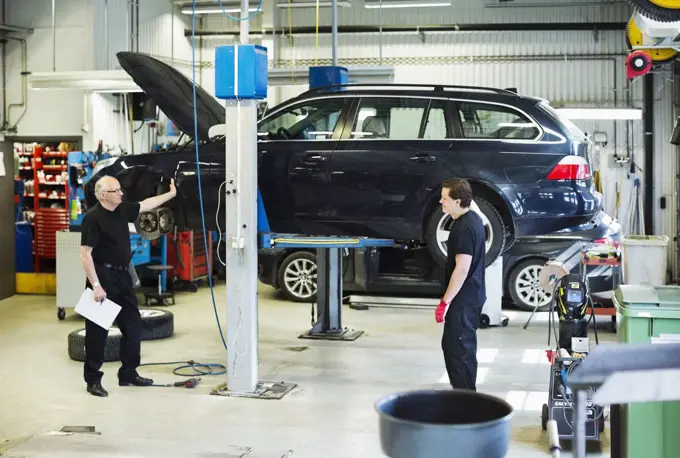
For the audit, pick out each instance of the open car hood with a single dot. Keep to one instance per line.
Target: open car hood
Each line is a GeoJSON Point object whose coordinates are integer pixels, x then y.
{"type": "Point", "coordinates": [173, 93]}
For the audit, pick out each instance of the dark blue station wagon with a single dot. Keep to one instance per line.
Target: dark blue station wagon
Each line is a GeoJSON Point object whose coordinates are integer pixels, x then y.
{"type": "Point", "coordinates": [369, 160]}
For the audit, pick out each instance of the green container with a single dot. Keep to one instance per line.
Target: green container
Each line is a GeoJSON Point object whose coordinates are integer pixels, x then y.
{"type": "Point", "coordinates": [645, 314]}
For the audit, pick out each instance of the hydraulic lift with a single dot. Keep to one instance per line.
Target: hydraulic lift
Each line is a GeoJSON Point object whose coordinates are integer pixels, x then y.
{"type": "Point", "coordinates": [328, 325]}
{"type": "Point", "coordinates": [241, 74]}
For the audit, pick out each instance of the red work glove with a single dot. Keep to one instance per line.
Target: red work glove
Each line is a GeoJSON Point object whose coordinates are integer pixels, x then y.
{"type": "Point", "coordinates": [440, 312]}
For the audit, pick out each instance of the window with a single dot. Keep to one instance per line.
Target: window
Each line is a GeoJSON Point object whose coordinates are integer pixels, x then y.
{"type": "Point", "coordinates": [394, 118]}
{"type": "Point", "coordinates": [482, 120]}
{"type": "Point", "coordinates": [313, 120]}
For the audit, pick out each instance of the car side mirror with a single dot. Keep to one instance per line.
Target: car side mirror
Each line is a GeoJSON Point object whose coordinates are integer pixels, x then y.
{"type": "Point", "coordinates": [261, 109]}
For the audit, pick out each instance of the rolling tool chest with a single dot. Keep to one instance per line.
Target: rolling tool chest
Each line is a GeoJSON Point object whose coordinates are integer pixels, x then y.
{"type": "Point", "coordinates": [186, 253]}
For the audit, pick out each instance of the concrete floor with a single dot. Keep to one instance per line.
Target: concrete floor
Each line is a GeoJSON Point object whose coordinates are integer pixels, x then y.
{"type": "Point", "coordinates": [329, 415]}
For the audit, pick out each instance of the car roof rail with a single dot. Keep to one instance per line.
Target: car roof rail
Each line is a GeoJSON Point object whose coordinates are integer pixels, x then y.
{"type": "Point", "coordinates": [436, 87]}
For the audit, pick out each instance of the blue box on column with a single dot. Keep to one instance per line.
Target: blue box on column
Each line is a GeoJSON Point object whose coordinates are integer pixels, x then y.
{"type": "Point", "coordinates": [241, 72]}
{"type": "Point", "coordinates": [327, 76]}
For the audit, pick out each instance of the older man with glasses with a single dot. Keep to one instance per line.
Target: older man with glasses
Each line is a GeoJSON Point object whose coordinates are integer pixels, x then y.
{"type": "Point", "coordinates": [105, 253]}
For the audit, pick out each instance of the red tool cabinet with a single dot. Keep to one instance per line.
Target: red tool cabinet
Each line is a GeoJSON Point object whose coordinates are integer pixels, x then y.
{"type": "Point", "coordinates": [48, 221]}
{"type": "Point", "coordinates": [187, 255]}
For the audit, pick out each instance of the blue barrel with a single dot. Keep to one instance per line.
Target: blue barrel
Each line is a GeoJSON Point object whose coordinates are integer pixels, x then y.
{"type": "Point", "coordinates": [23, 242]}
{"type": "Point", "coordinates": [444, 424]}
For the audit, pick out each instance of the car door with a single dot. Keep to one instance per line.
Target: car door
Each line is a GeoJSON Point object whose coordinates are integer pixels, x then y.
{"type": "Point", "coordinates": [379, 170]}
{"type": "Point", "coordinates": [295, 147]}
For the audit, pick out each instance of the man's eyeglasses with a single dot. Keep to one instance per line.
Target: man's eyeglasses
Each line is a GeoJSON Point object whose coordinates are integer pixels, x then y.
{"type": "Point", "coordinates": [116, 191]}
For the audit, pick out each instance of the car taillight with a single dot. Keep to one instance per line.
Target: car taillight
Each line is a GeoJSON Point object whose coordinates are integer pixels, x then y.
{"type": "Point", "coordinates": [570, 168]}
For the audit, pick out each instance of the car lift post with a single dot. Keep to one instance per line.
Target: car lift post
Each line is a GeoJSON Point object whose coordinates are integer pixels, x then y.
{"type": "Point", "coordinates": [241, 73]}
{"type": "Point", "coordinates": [328, 325]}
{"type": "Point", "coordinates": [240, 80]}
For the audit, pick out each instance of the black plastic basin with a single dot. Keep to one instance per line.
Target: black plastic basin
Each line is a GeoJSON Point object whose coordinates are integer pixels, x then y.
{"type": "Point", "coordinates": [444, 424]}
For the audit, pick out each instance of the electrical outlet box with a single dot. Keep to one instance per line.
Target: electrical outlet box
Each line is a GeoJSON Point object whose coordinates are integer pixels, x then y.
{"type": "Point", "coordinates": [241, 72]}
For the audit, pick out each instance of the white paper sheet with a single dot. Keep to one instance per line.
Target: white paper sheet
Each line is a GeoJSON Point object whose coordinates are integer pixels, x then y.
{"type": "Point", "coordinates": [100, 313]}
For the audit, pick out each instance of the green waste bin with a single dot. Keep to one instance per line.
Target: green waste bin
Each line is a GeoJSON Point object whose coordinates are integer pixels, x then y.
{"type": "Point", "coordinates": [648, 314]}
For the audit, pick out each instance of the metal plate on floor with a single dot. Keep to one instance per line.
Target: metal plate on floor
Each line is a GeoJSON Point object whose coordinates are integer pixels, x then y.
{"type": "Point", "coordinates": [264, 390]}
{"type": "Point", "coordinates": [346, 335]}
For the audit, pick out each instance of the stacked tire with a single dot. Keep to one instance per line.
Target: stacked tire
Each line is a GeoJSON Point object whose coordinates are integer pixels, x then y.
{"type": "Point", "coordinates": [156, 324]}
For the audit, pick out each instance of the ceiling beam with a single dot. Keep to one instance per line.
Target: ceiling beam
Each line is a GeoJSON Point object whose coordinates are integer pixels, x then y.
{"type": "Point", "coordinates": [359, 29]}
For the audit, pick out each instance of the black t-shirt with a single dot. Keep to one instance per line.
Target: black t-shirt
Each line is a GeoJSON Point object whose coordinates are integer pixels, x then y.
{"type": "Point", "coordinates": [108, 234]}
{"type": "Point", "coordinates": [467, 236]}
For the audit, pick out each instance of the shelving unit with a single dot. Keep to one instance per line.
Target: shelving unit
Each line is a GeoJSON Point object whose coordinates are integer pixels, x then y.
{"type": "Point", "coordinates": [43, 168]}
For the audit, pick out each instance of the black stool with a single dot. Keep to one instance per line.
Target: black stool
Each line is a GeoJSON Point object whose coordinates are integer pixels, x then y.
{"type": "Point", "coordinates": [161, 298]}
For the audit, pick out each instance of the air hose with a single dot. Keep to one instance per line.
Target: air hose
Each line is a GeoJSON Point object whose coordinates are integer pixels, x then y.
{"type": "Point", "coordinates": [200, 368]}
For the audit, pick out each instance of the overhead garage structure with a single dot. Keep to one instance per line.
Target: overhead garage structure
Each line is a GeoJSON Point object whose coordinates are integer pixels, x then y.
{"type": "Point", "coordinates": [292, 243]}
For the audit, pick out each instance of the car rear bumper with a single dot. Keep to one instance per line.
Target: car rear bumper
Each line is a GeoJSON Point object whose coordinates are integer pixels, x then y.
{"type": "Point", "coordinates": [551, 206]}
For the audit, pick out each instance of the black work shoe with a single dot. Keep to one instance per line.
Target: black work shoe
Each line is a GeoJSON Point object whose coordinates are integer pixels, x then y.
{"type": "Point", "coordinates": [96, 389]}
{"type": "Point", "coordinates": [137, 381]}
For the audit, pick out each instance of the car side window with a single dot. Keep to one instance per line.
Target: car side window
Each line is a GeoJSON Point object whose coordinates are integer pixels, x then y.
{"type": "Point", "coordinates": [400, 118]}
{"type": "Point", "coordinates": [489, 121]}
{"type": "Point", "coordinates": [313, 120]}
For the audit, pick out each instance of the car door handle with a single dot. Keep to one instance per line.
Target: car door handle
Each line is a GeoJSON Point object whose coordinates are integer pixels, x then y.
{"type": "Point", "coordinates": [423, 158]}
{"type": "Point", "coordinates": [313, 159]}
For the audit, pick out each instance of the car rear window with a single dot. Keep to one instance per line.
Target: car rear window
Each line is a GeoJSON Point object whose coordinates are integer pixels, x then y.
{"type": "Point", "coordinates": [572, 129]}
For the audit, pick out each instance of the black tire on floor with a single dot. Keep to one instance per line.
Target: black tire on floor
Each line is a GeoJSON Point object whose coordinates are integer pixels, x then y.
{"type": "Point", "coordinates": [484, 321]}
{"type": "Point", "coordinates": [157, 324]}
{"type": "Point", "coordinates": [76, 345]}
{"type": "Point", "coordinates": [651, 9]}
{"type": "Point", "coordinates": [494, 227]}
{"type": "Point", "coordinates": [544, 417]}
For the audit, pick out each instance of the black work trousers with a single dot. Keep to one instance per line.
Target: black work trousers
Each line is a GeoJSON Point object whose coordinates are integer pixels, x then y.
{"type": "Point", "coordinates": [459, 344]}
{"type": "Point", "coordinates": [119, 289]}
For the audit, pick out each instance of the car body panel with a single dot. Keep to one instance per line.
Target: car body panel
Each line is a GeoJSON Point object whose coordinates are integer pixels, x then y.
{"type": "Point", "coordinates": [315, 178]}
{"type": "Point", "coordinates": [361, 277]}
{"type": "Point", "coordinates": [173, 93]}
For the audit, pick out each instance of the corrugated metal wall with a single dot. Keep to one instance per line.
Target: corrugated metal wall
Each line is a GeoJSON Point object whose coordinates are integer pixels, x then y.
{"type": "Point", "coordinates": [161, 31]}
{"type": "Point", "coordinates": [461, 12]}
{"type": "Point", "coordinates": [665, 165]}
{"type": "Point", "coordinates": [564, 67]}
{"type": "Point", "coordinates": [570, 68]}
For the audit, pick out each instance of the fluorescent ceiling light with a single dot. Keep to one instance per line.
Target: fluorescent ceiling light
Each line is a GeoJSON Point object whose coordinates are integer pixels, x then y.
{"type": "Point", "coordinates": [606, 114]}
{"type": "Point", "coordinates": [95, 81]}
{"type": "Point", "coordinates": [215, 9]}
{"type": "Point", "coordinates": [410, 4]}
{"type": "Point", "coordinates": [324, 4]}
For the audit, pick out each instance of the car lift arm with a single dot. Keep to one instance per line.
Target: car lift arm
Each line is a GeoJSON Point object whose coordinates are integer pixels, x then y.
{"type": "Point", "coordinates": [329, 267]}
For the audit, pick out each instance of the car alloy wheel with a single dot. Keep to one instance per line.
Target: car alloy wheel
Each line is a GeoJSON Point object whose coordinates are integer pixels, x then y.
{"type": "Point", "coordinates": [443, 229]}
{"type": "Point", "coordinates": [525, 287]}
{"type": "Point", "coordinates": [440, 226]}
{"type": "Point", "coordinates": [298, 277]}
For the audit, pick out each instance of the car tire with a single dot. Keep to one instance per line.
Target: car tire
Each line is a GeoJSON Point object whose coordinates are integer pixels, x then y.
{"type": "Point", "coordinates": [525, 288]}
{"type": "Point", "coordinates": [76, 345]}
{"type": "Point", "coordinates": [298, 275]}
{"type": "Point", "coordinates": [438, 233]}
{"type": "Point", "coordinates": [157, 324]}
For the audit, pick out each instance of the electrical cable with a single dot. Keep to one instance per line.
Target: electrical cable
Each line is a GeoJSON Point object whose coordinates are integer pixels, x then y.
{"type": "Point", "coordinates": [198, 160]}
{"type": "Point", "coordinates": [247, 18]}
